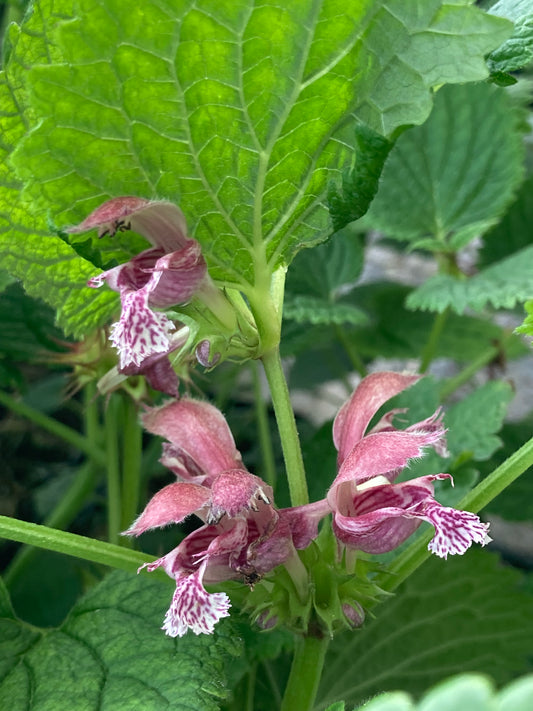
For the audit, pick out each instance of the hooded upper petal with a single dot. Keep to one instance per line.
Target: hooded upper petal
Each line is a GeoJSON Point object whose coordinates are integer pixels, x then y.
{"type": "Point", "coordinates": [354, 416]}
{"type": "Point", "coordinates": [381, 454]}
{"type": "Point", "coordinates": [162, 223]}
{"type": "Point", "coordinates": [202, 445]}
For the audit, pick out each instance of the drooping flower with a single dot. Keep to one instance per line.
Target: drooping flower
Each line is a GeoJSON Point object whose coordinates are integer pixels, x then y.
{"type": "Point", "coordinates": [171, 272]}
{"type": "Point", "coordinates": [243, 536]}
{"type": "Point", "coordinates": [373, 514]}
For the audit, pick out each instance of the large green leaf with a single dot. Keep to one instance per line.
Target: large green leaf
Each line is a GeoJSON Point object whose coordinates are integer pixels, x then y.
{"type": "Point", "coordinates": [111, 653]}
{"type": "Point", "coordinates": [450, 179]}
{"type": "Point", "coordinates": [464, 614]}
{"type": "Point", "coordinates": [240, 111]}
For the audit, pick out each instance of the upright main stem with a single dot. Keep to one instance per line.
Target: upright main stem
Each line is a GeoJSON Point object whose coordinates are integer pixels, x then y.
{"type": "Point", "coordinates": [305, 675]}
{"type": "Point", "coordinates": [288, 433]}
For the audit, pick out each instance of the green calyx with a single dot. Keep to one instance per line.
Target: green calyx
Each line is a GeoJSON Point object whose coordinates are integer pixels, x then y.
{"type": "Point", "coordinates": [337, 592]}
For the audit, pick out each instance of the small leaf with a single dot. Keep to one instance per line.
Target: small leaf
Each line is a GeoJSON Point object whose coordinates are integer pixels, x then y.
{"type": "Point", "coordinates": [434, 190]}
{"type": "Point", "coordinates": [517, 51]}
{"type": "Point", "coordinates": [502, 285]}
{"type": "Point", "coordinates": [360, 184]}
{"type": "Point", "coordinates": [306, 309]}
{"type": "Point", "coordinates": [318, 279]}
{"type": "Point", "coordinates": [473, 421]}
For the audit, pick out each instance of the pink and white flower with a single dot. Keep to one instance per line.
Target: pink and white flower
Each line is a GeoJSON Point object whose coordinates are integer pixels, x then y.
{"type": "Point", "coordinates": [169, 273]}
{"type": "Point", "coordinates": [371, 513]}
{"type": "Point", "coordinates": [243, 536]}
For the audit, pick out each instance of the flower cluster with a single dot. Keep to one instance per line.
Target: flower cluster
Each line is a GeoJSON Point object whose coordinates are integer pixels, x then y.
{"type": "Point", "coordinates": [244, 536]}
{"type": "Point", "coordinates": [170, 273]}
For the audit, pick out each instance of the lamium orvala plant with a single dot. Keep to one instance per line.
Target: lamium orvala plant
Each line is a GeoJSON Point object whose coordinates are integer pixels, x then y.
{"type": "Point", "coordinates": [255, 257]}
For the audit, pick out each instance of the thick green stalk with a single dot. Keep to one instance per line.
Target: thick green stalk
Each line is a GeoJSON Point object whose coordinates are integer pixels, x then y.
{"type": "Point", "coordinates": [131, 463]}
{"type": "Point", "coordinates": [57, 428]}
{"type": "Point", "coordinates": [71, 544]}
{"type": "Point", "coordinates": [114, 505]}
{"type": "Point", "coordinates": [288, 433]}
{"type": "Point", "coordinates": [263, 429]}
{"type": "Point", "coordinates": [408, 561]}
{"type": "Point", "coordinates": [306, 671]}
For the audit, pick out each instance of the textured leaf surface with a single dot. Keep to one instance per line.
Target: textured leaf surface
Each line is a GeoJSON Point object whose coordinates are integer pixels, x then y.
{"type": "Point", "coordinates": [360, 184]}
{"type": "Point", "coordinates": [501, 285]}
{"type": "Point", "coordinates": [241, 112]}
{"type": "Point", "coordinates": [450, 179]}
{"type": "Point", "coordinates": [517, 51]}
{"type": "Point", "coordinates": [319, 278]}
{"type": "Point", "coordinates": [111, 653]}
{"type": "Point", "coordinates": [464, 614]}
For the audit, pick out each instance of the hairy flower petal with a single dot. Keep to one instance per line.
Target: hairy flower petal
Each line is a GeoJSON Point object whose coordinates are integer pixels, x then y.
{"type": "Point", "coordinates": [237, 492]}
{"type": "Point", "coordinates": [170, 505]}
{"type": "Point", "coordinates": [354, 416]}
{"type": "Point", "coordinates": [161, 222]}
{"type": "Point", "coordinates": [202, 443]}
{"type": "Point", "coordinates": [381, 454]}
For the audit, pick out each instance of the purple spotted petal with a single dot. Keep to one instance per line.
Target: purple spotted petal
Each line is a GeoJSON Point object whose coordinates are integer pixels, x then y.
{"type": "Point", "coordinates": [141, 332]}
{"type": "Point", "coordinates": [455, 531]}
{"type": "Point", "coordinates": [194, 608]}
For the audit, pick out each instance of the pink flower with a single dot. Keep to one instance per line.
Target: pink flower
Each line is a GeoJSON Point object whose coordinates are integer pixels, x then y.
{"type": "Point", "coordinates": [168, 273]}
{"type": "Point", "coordinates": [243, 536]}
{"type": "Point", "coordinates": [370, 512]}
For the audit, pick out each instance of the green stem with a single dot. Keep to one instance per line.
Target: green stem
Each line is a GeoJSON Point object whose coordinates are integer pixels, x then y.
{"type": "Point", "coordinates": [71, 544]}
{"type": "Point", "coordinates": [408, 561]}
{"type": "Point", "coordinates": [57, 428]}
{"type": "Point", "coordinates": [288, 433]}
{"type": "Point", "coordinates": [263, 429]}
{"type": "Point", "coordinates": [113, 468]}
{"type": "Point", "coordinates": [430, 349]}
{"type": "Point", "coordinates": [353, 355]}
{"type": "Point", "coordinates": [131, 463]}
{"type": "Point", "coordinates": [451, 385]}
{"type": "Point", "coordinates": [306, 671]}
